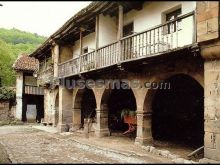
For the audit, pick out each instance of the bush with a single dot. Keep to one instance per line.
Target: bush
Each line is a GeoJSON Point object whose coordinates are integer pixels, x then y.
{"type": "Point", "coordinates": [7, 93]}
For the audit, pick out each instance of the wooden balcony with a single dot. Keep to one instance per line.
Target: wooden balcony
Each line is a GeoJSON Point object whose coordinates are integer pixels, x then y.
{"type": "Point", "coordinates": [33, 90]}
{"type": "Point", "coordinates": [45, 77]}
{"type": "Point", "coordinates": [170, 36]}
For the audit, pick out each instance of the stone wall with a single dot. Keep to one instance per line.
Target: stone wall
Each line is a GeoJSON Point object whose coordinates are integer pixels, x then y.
{"type": "Point", "coordinates": [4, 110]}
{"type": "Point", "coordinates": [207, 14]}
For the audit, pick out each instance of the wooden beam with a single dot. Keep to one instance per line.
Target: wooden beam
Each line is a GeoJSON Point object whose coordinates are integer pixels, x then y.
{"type": "Point", "coordinates": [81, 48]}
{"type": "Point", "coordinates": [96, 39]}
{"type": "Point", "coordinates": [120, 30]}
{"type": "Point", "coordinates": [81, 40]}
{"type": "Point", "coordinates": [97, 32]}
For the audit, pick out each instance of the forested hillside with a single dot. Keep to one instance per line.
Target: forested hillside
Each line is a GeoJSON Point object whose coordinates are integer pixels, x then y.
{"type": "Point", "coordinates": [14, 42]}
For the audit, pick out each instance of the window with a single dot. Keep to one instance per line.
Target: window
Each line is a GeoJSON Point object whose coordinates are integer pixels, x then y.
{"type": "Point", "coordinates": [128, 29]}
{"type": "Point", "coordinates": [172, 27]}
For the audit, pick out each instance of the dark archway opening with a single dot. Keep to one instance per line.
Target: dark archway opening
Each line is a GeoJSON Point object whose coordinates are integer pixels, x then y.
{"type": "Point", "coordinates": [88, 105]}
{"type": "Point", "coordinates": [33, 108]}
{"type": "Point", "coordinates": [178, 112]}
{"type": "Point", "coordinates": [120, 99]}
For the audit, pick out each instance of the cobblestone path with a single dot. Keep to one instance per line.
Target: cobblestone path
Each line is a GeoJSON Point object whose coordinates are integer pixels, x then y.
{"type": "Point", "coordinates": [28, 145]}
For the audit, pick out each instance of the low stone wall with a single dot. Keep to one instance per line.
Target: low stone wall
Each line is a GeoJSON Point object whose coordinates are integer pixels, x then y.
{"type": "Point", "coordinates": [4, 110]}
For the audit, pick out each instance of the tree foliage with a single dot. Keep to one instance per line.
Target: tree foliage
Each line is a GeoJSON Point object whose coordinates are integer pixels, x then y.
{"type": "Point", "coordinates": [14, 42]}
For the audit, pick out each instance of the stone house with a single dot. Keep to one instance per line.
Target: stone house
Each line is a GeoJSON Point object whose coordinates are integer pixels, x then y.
{"type": "Point", "coordinates": [29, 97]}
{"type": "Point", "coordinates": [174, 43]}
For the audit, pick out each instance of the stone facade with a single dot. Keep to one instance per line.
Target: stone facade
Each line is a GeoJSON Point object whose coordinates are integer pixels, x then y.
{"type": "Point", "coordinates": [4, 110]}
{"type": "Point", "coordinates": [200, 62]}
{"type": "Point", "coordinates": [208, 38]}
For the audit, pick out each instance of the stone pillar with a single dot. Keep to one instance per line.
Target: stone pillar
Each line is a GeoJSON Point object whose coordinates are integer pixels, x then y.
{"type": "Point", "coordinates": [65, 109]}
{"type": "Point", "coordinates": [144, 134]}
{"type": "Point", "coordinates": [76, 119]}
{"type": "Point", "coordinates": [45, 105]}
{"type": "Point", "coordinates": [212, 110]}
{"type": "Point", "coordinates": [54, 112]}
{"type": "Point", "coordinates": [208, 39]}
{"type": "Point", "coordinates": [19, 93]}
{"type": "Point", "coordinates": [102, 129]}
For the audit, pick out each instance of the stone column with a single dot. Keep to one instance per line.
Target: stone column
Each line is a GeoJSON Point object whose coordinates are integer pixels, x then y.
{"type": "Point", "coordinates": [19, 93]}
{"type": "Point", "coordinates": [65, 109]}
{"type": "Point", "coordinates": [102, 129]}
{"type": "Point", "coordinates": [144, 134]}
{"type": "Point", "coordinates": [76, 119]}
{"type": "Point", "coordinates": [54, 113]}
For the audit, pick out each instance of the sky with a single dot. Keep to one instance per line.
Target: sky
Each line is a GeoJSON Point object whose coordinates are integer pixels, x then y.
{"type": "Point", "coordinates": [43, 18]}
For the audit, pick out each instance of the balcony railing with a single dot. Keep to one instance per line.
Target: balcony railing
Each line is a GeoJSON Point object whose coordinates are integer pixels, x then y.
{"type": "Point", "coordinates": [33, 90]}
{"type": "Point", "coordinates": [160, 39]}
{"type": "Point", "coordinates": [45, 76]}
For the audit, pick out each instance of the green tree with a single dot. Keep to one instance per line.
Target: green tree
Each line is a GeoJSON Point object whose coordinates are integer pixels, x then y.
{"type": "Point", "coordinates": [14, 42]}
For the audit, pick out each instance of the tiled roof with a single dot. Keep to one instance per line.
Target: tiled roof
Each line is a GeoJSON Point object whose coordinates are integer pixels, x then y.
{"type": "Point", "coordinates": [26, 63]}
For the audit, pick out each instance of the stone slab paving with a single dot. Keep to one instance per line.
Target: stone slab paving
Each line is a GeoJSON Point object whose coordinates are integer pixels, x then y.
{"type": "Point", "coordinates": [26, 144]}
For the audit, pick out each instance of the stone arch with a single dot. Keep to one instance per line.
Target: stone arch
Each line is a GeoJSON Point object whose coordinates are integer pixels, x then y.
{"type": "Point", "coordinates": [152, 96]}
{"type": "Point", "coordinates": [106, 93]}
{"type": "Point", "coordinates": [109, 100]}
{"type": "Point", "coordinates": [81, 97]}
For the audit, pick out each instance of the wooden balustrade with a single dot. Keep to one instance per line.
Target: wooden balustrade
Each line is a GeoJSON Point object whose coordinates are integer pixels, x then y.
{"type": "Point", "coordinates": [33, 90]}
{"type": "Point", "coordinates": [107, 55]}
{"type": "Point", "coordinates": [45, 76]}
{"type": "Point", "coordinates": [169, 36]}
{"type": "Point", "coordinates": [87, 61]}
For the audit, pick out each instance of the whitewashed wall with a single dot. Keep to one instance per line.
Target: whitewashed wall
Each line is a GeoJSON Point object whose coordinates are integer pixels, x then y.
{"type": "Point", "coordinates": [107, 30]}
{"type": "Point", "coordinates": [153, 14]}
{"type": "Point", "coordinates": [19, 87]}
{"type": "Point", "coordinates": [88, 40]}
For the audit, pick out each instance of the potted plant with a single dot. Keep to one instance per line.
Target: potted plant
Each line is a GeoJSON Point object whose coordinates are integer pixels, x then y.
{"type": "Point", "coordinates": [129, 116]}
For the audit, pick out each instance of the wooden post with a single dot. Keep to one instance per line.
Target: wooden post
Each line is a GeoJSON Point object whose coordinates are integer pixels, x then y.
{"type": "Point", "coordinates": [120, 22]}
{"type": "Point", "coordinates": [120, 31]}
{"type": "Point", "coordinates": [96, 40]}
{"type": "Point", "coordinates": [81, 49]}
